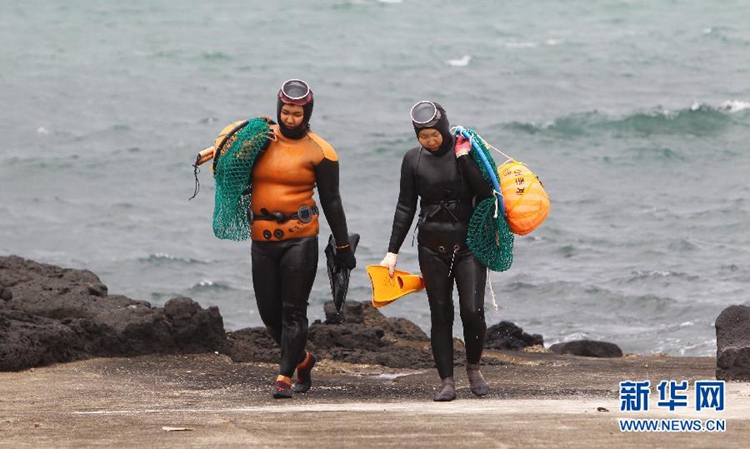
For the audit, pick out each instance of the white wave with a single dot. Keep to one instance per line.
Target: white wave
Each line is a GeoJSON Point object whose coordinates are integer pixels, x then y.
{"type": "Point", "coordinates": [205, 283]}
{"type": "Point", "coordinates": [735, 105]}
{"type": "Point", "coordinates": [705, 348]}
{"type": "Point", "coordinates": [167, 256]}
{"type": "Point", "coordinates": [552, 42]}
{"type": "Point", "coordinates": [42, 130]}
{"type": "Point", "coordinates": [576, 336]}
{"type": "Point", "coordinates": [463, 61]}
{"type": "Point", "coordinates": [521, 45]}
{"type": "Point", "coordinates": [390, 1]}
{"type": "Point", "coordinates": [164, 256]}
{"type": "Point", "coordinates": [655, 273]}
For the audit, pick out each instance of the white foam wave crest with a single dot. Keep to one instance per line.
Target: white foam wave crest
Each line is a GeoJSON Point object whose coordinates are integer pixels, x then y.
{"type": "Point", "coordinates": [521, 45]}
{"type": "Point", "coordinates": [729, 106]}
{"type": "Point", "coordinates": [576, 336]}
{"type": "Point", "coordinates": [463, 61]}
{"type": "Point", "coordinates": [166, 256]}
{"type": "Point", "coordinates": [735, 105]}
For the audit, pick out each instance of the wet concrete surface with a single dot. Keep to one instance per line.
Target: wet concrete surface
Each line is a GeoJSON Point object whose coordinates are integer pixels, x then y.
{"type": "Point", "coordinates": [536, 400]}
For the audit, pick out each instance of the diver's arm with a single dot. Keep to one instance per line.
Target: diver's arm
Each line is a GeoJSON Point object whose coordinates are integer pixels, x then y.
{"type": "Point", "coordinates": [406, 206]}
{"type": "Point", "coordinates": [471, 173]}
{"type": "Point", "coordinates": [327, 178]}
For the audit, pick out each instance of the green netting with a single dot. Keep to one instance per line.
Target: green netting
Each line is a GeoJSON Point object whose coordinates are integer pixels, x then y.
{"type": "Point", "coordinates": [489, 237]}
{"type": "Point", "coordinates": [232, 175]}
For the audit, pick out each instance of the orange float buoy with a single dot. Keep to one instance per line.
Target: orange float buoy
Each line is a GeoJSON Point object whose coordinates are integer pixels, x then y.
{"type": "Point", "coordinates": [218, 146]}
{"type": "Point", "coordinates": [526, 201]}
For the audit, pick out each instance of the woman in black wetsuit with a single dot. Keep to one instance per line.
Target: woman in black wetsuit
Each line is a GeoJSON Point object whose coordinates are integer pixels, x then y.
{"type": "Point", "coordinates": [449, 184]}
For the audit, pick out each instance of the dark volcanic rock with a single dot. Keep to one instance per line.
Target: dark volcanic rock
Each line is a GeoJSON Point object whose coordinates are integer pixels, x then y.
{"type": "Point", "coordinates": [28, 340]}
{"type": "Point", "coordinates": [359, 334]}
{"type": "Point", "coordinates": [733, 344]}
{"type": "Point", "coordinates": [194, 328]}
{"type": "Point", "coordinates": [587, 348]}
{"type": "Point", "coordinates": [506, 335]}
{"type": "Point", "coordinates": [50, 314]}
{"type": "Point", "coordinates": [252, 344]}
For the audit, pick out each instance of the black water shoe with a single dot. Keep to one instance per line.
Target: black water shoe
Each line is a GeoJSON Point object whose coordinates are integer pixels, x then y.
{"type": "Point", "coordinates": [304, 371]}
{"type": "Point", "coordinates": [448, 391]}
{"type": "Point", "coordinates": [282, 389]}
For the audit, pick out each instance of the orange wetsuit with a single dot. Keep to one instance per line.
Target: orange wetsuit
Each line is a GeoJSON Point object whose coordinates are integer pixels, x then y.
{"type": "Point", "coordinates": [285, 252]}
{"type": "Point", "coordinates": [283, 180]}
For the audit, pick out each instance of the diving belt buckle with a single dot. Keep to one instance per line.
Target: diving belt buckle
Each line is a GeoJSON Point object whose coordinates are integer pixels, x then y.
{"type": "Point", "coordinates": [443, 250]}
{"type": "Point", "coordinates": [304, 214]}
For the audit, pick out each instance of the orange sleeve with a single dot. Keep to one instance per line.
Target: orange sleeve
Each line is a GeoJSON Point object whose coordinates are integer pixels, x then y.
{"type": "Point", "coordinates": [327, 150]}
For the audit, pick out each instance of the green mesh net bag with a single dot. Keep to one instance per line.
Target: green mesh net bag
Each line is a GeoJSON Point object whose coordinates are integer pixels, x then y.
{"type": "Point", "coordinates": [233, 165]}
{"type": "Point", "coordinates": [489, 237]}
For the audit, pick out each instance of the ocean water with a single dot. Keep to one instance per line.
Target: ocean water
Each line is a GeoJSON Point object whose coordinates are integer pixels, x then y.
{"type": "Point", "coordinates": [635, 115]}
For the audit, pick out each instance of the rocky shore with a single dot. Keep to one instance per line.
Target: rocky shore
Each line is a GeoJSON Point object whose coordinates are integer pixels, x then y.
{"type": "Point", "coordinates": [80, 367]}
{"type": "Point", "coordinates": [50, 314]}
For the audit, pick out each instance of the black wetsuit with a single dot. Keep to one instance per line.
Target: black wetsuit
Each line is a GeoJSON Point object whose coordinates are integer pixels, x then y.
{"type": "Point", "coordinates": [449, 189]}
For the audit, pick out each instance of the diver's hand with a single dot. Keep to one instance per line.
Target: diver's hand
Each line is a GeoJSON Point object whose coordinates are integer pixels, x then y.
{"type": "Point", "coordinates": [462, 146]}
{"type": "Point", "coordinates": [389, 261]}
{"type": "Point", "coordinates": [345, 257]}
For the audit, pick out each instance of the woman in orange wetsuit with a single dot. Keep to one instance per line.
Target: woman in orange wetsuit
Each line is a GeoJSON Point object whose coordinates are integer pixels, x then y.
{"type": "Point", "coordinates": [284, 229]}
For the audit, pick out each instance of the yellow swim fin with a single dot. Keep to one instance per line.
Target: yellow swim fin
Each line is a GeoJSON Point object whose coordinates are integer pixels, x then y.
{"type": "Point", "coordinates": [386, 289]}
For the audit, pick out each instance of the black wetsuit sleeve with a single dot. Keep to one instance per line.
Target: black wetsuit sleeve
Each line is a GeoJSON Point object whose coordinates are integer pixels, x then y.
{"type": "Point", "coordinates": [327, 179]}
{"type": "Point", "coordinates": [405, 208]}
{"type": "Point", "coordinates": [473, 175]}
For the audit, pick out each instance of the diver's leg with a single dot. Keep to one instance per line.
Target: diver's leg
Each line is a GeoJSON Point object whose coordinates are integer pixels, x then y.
{"type": "Point", "coordinates": [267, 285]}
{"type": "Point", "coordinates": [266, 258]}
{"type": "Point", "coordinates": [471, 279]}
{"type": "Point", "coordinates": [299, 265]}
{"type": "Point", "coordinates": [439, 289]}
